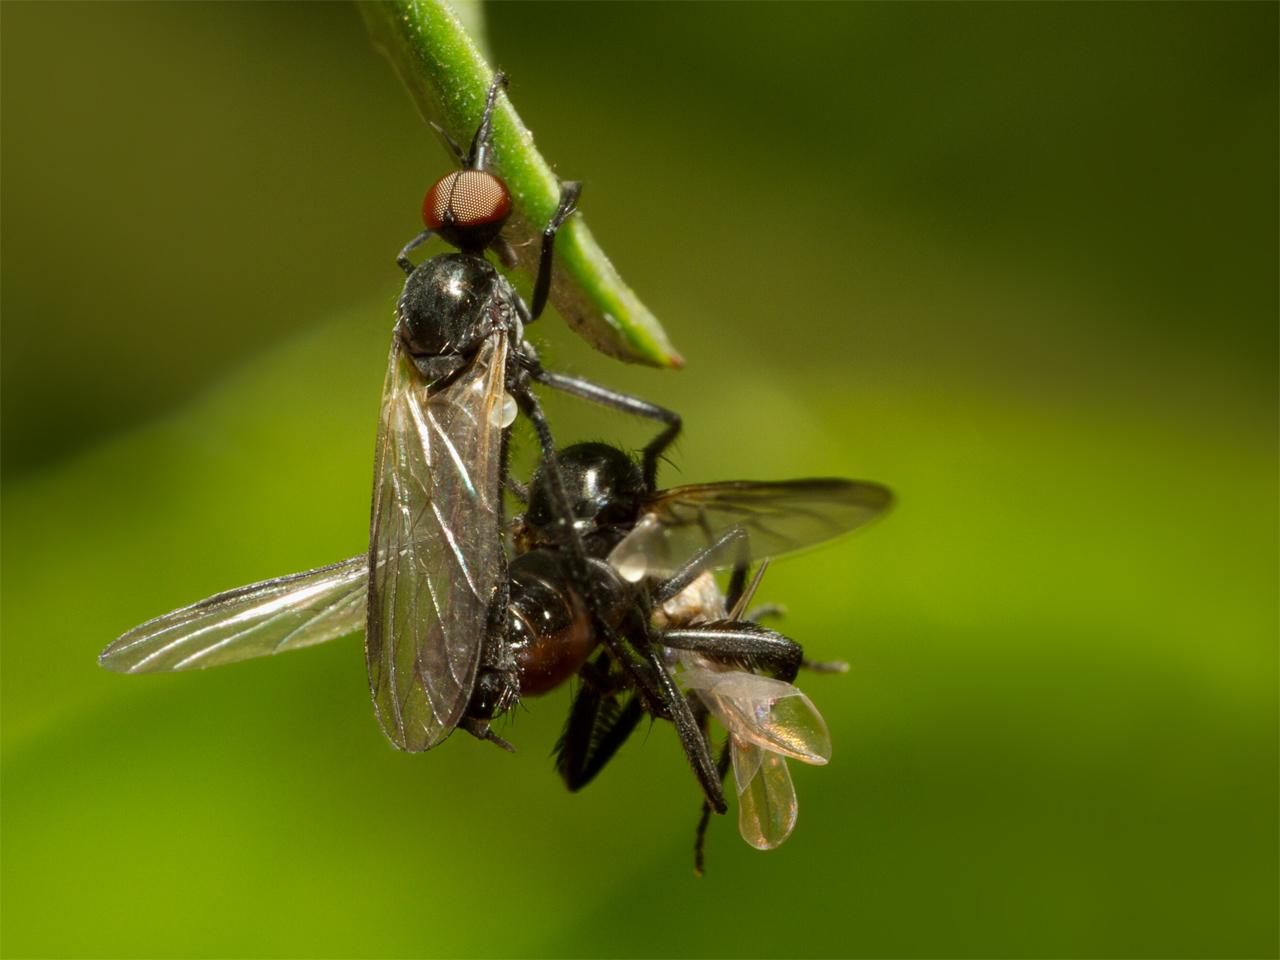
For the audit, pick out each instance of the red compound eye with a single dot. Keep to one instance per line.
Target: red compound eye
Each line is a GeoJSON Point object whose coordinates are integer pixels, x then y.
{"type": "Point", "coordinates": [464, 200]}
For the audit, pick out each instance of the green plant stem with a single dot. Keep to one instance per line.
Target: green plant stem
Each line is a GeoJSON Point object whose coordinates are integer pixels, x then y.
{"type": "Point", "coordinates": [448, 78]}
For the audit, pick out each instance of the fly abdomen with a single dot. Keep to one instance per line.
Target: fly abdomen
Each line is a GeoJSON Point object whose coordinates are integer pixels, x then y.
{"type": "Point", "coordinates": [549, 629]}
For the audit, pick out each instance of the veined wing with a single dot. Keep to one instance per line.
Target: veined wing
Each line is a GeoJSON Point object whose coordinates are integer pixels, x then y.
{"type": "Point", "coordinates": [435, 542]}
{"type": "Point", "coordinates": [286, 613]}
{"type": "Point", "coordinates": [767, 720]}
{"type": "Point", "coordinates": [776, 518]}
{"type": "Point", "coordinates": [767, 806]}
{"type": "Point", "coordinates": [773, 714]}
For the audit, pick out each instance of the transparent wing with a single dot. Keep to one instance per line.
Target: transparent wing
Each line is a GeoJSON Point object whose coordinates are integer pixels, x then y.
{"type": "Point", "coordinates": [776, 518]}
{"type": "Point", "coordinates": [767, 807]}
{"type": "Point", "coordinates": [773, 714]}
{"type": "Point", "coordinates": [768, 720]}
{"type": "Point", "coordinates": [435, 544]}
{"type": "Point", "coordinates": [286, 613]}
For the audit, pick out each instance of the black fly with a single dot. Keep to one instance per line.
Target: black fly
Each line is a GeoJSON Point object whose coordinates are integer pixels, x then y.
{"type": "Point", "coordinates": [454, 634]}
{"type": "Point", "coordinates": [433, 587]}
{"type": "Point", "coordinates": [702, 653]}
{"type": "Point", "coordinates": [674, 646]}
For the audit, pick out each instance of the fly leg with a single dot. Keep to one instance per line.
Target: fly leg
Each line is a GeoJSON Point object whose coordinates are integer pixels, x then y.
{"type": "Point", "coordinates": [449, 142]}
{"type": "Point", "coordinates": [704, 821]}
{"type": "Point", "coordinates": [765, 611]}
{"type": "Point", "coordinates": [517, 489]}
{"type": "Point", "coordinates": [403, 257]}
{"type": "Point", "coordinates": [596, 727]}
{"type": "Point", "coordinates": [510, 483]}
{"type": "Point", "coordinates": [737, 587]}
{"type": "Point", "coordinates": [569, 193]}
{"type": "Point", "coordinates": [481, 730]}
{"type": "Point", "coordinates": [569, 536]}
{"type": "Point", "coordinates": [734, 597]}
{"type": "Point", "coordinates": [478, 155]}
{"type": "Point", "coordinates": [696, 748]}
{"type": "Point", "coordinates": [657, 693]}
{"type": "Point", "coordinates": [663, 698]}
{"type": "Point", "coordinates": [734, 539]}
{"type": "Point", "coordinates": [738, 641]}
{"type": "Point", "coordinates": [587, 390]}
{"type": "Point", "coordinates": [570, 190]}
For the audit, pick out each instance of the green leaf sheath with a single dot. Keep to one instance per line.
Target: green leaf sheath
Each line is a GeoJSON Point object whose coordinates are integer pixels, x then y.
{"type": "Point", "coordinates": [448, 78]}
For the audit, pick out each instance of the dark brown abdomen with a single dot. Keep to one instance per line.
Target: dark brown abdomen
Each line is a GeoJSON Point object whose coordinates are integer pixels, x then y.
{"type": "Point", "coordinates": [550, 630]}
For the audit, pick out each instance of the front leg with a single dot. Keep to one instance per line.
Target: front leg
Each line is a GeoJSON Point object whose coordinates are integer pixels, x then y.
{"type": "Point", "coordinates": [569, 193]}
{"type": "Point", "coordinates": [586, 390]}
{"type": "Point", "coordinates": [402, 259]}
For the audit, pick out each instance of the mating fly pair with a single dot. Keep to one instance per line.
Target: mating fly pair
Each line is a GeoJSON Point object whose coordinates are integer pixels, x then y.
{"type": "Point", "coordinates": [456, 632]}
{"type": "Point", "coordinates": [651, 554]}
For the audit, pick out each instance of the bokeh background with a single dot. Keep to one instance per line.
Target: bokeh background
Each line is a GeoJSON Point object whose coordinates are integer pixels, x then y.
{"type": "Point", "coordinates": [1018, 262]}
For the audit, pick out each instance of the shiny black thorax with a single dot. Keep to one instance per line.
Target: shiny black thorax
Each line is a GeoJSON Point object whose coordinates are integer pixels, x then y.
{"type": "Point", "coordinates": [449, 304]}
{"type": "Point", "coordinates": [606, 491]}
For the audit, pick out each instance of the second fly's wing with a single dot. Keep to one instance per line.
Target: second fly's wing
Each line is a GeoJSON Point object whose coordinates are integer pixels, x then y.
{"type": "Point", "coordinates": [772, 714]}
{"type": "Point", "coordinates": [286, 613]}
{"type": "Point", "coordinates": [767, 807]}
{"type": "Point", "coordinates": [767, 720]}
{"type": "Point", "coordinates": [775, 518]}
{"type": "Point", "coordinates": [435, 543]}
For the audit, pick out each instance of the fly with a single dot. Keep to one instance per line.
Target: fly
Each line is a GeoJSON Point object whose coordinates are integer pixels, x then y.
{"type": "Point", "coordinates": [432, 590]}
{"type": "Point", "coordinates": [657, 629]}
{"type": "Point", "coordinates": [661, 547]}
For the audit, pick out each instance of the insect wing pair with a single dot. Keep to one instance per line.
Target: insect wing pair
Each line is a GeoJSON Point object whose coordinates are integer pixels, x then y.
{"type": "Point", "coordinates": [434, 585]}
{"type": "Point", "coordinates": [435, 546]}
{"type": "Point", "coordinates": [435, 542]}
{"type": "Point", "coordinates": [436, 549]}
{"type": "Point", "coordinates": [768, 720]}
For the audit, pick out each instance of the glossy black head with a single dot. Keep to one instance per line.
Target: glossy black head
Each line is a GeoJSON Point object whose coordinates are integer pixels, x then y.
{"type": "Point", "coordinates": [606, 492]}
{"type": "Point", "coordinates": [447, 304]}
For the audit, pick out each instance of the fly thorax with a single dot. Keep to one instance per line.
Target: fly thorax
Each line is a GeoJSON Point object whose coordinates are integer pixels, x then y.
{"type": "Point", "coordinates": [448, 304]}
{"type": "Point", "coordinates": [605, 489]}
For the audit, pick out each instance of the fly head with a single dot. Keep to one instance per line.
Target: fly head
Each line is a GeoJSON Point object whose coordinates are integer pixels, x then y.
{"type": "Point", "coordinates": [467, 208]}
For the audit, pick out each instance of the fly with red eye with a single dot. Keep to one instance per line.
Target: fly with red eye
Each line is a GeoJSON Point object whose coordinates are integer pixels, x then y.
{"type": "Point", "coordinates": [469, 207]}
{"type": "Point", "coordinates": [454, 633]}
{"type": "Point", "coordinates": [435, 577]}
{"type": "Point", "coordinates": [439, 585]}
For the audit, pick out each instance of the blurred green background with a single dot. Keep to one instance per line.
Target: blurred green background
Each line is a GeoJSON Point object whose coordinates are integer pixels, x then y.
{"type": "Point", "coordinates": [1018, 262]}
